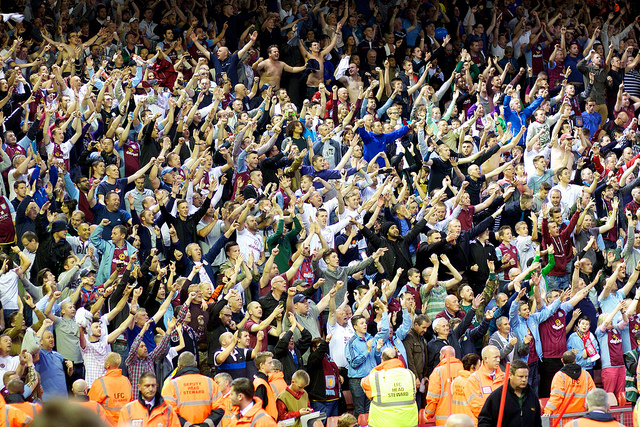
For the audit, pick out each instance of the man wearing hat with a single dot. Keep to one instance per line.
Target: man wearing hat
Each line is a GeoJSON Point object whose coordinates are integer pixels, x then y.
{"type": "Point", "coordinates": [398, 255]}
{"type": "Point", "coordinates": [53, 248]}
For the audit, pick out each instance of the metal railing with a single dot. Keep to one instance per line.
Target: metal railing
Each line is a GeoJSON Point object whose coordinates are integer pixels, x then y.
{"type": "Point", "coordinates": [623, 415]}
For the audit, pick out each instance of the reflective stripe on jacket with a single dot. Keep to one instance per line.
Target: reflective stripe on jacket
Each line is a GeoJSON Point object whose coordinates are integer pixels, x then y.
{"type": "Point", "coordinates": [561, 388]}
{"type": "Point", "coordinates": [439, 391]}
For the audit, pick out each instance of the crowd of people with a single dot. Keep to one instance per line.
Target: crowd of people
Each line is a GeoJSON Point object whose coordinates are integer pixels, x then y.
{"type": "Point", "coordinates": [251, 212]}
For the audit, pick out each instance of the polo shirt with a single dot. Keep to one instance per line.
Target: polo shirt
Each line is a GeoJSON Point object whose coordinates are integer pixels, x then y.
{"type": "Point", "coordinates": [51, 368]}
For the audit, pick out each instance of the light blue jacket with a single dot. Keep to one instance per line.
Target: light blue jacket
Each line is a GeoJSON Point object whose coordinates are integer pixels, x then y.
{"type": "Point", "coordinates": [400, 335]}
{"type": "Point", "coordinates": [360, 361]}
{"type": "Point", "coordinates": [575, 342]}
{"type": "Point", "coordinates": [519, 325]}
{"type": "Point", "coordinates": [106, 249]}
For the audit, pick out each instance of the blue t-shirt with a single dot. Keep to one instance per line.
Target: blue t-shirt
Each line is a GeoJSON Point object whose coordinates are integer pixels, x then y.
{"type": "Point", "coordinates": [119, 187]}
{"type": "Point", "coordinates": [148, 338]}
{"type": "Point", "coordinates": [51, 368]}
{"type": "Point", "coordinates": [119, 217]}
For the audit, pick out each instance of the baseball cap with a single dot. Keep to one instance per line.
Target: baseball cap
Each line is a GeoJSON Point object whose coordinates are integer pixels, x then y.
{"type": "Point", "coordinates": [58, 226]}
{"type": "Point", "coordinates": [167, 170]}
{"type": "Point", "coordinates": [299, 298]}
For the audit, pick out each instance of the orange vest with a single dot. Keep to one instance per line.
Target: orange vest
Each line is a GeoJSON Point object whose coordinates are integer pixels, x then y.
{"type": "Point", "coordinates": [458, 396]}
{"type": "Point", "coordinates": [228, 410]}
{"type": "Point", "coordinates": [254, 417]}
{"type": "Point", "coordinates": [193, 396]}
{"type": "Point", "coordinates": [271, 408]}
{"type": "Point", "coordinates": [561, 388]}
{"type": "Point", "coordinates": [31, 409]}
{"type": "Point", "coordinates": [277, 382]}
{"type": "Point", "coordinates": [479, 387]}
{"type": "Point", "coordinates": [112, 391]}
{"type": "Point", "coordinates": [12, 417]}
{"type": "Point", "coordinates": [135, 413]}
{"type": "Point", "coordinates": [586, 422]}
{"type": "Point", "coordinates": [439, 392]}
{"type": "Point", "coordinates": [96, 408]}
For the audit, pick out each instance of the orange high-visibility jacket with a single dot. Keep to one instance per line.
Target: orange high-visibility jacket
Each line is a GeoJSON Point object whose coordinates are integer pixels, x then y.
{"type": "Point", "coordinates": [193, 396]}
{"type": "Point", "coordinates": [277, 382]}
{"type": "Point", "coordinates": [112, 391]}
{"type": "Point", "coordinates": [459, 398]}
{"type": "Point", "coordinates": [254, 417]}
{"type": "Point", "coordinates": [561, 388]}
{"type": "Point", "coordinates": [12, 417]}
{"type": "Point", "coordinates": [228, 410]}
{"type": "Point", "coordinates": [272, 408]}
{"type": "Point", "coordinates": [31, 409]}
{"type": "Point", "coordinates": [135, 413]}
{"type": "Point", "coordinates": [479, 387]}
{"type": "Point", "coordinates": [586, 422]}
{"type": "Point", "coordinates": [96, 408]}
{"type": "Point", "coordinates": [439, 392]}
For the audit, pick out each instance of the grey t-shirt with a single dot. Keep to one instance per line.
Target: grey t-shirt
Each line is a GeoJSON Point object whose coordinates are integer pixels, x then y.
{"type": "Point", "coordinates": [68, 339]}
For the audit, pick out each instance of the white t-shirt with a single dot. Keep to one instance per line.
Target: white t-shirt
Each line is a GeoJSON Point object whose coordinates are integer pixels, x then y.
{"type": "Point", "coordinates": [9, 363]}
{"type": "Point", "coordinates": [340, 335]}
{"type": "Point", "coordinates": [250, 243]}
{"type": "Point", "coordinates": [9, 290]}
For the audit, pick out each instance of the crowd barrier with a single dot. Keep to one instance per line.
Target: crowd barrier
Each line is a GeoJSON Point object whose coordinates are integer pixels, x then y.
{"type": "Point", "coordinates": [623, 414]}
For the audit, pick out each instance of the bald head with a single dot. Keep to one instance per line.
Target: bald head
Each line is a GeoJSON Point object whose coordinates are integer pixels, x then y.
{"type": "Point", "coordinates": [447, 350]}
{"type": "Point", "coordinates": [389, 353]}
{"type": "Point", "coordinates": [79, 387]}
{"type": "Point", "coordinates": [459, 420]}
{"type": "Point", "coordinates": [225, 339]}
{"type": "Point", "coordinates": [491, 357]}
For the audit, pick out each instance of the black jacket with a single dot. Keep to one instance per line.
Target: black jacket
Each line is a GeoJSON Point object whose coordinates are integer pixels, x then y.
{"type": "Point", "coordinates": [317, 386]}
{"type": "Point", "coordinates": [398, 255]}
{"type": "Point", "coordinates": [282, 353]}
{"type": "Point", "coordinates": [50, 254]}
{"type": "Point", "coordinates": [527, 415]}
{"type": "Point", "coordinates": [453, 339]}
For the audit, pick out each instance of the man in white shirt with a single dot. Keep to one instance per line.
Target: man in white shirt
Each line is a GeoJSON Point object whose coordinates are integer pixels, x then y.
{"type": "Point", "coordinates": [570, 192]}
{"type": "Point", "coordinates": [340, 328]}
{"type": "Point", "coordinates": [249, 240]}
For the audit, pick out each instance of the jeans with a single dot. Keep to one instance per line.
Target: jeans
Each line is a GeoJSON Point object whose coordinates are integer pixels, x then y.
{"type": "Point", "coordinates": [534, 378]}
{"type": "Point", "coordinates": [555, 282]}
{"type": "Point", "coordinates": [360, 400]}
{"type": "Point", "coordinates": [330, 408]}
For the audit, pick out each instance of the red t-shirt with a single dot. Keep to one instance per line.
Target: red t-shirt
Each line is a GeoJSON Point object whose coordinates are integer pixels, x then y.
{"type": "Point", "coordinates": [120, 256]}
{"type": "Point", "coordinates": [131, 158]}
{"type": "Point", "coordinates": [254, 335]}
{"type": "Point", "coordinates": [466, 218]}
{"type": "Point", "coordinates": [553, 336]}
{"type": "Point", "coordinates": [615, 347]}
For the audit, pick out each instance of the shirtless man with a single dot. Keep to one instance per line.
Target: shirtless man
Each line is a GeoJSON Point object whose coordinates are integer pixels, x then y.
{"type": "Point", "coordinates": [72, 49]}
{"type": "Point", "coordinates": [353, 81]}
{"type": "Point", "coordinates": [314, 79]}
{"type": "Point", "coordinates": [271, 68]}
